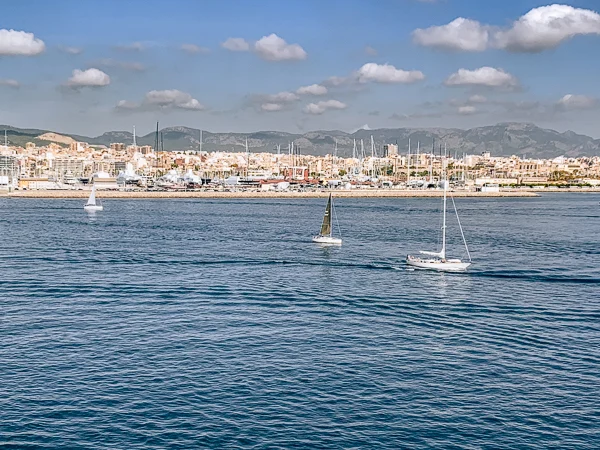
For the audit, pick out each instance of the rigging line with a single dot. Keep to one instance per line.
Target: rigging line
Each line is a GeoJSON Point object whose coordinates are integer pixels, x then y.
{"type": "Point", "coordinates": [460, 227]}
{"type": "Point", "coordinates": [336, 218]}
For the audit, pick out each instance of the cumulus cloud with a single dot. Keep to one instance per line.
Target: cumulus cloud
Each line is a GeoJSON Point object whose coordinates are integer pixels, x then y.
{"type": "Point", "coordinates": [274, 48]}
{"type": "Point", "coordinates": [194, 49]}
{"type": "Point", "coordinates": [236, 45]}
{"type": "Point", "coordinates": [570, 102]}
{"type": "Point", "coordinates": [71, 50]}
{"type": "Point", "coordinates": [459, 35]}
{"type": "Point", "coordinates": [467, 110]}
{"type": "Point", "coordinates": [484, 77]}
{"type": "Point", "coordinates": [477, 99]}
{"type": "Point", "coordinates": [386, 73]}
{"type": "Point", "coordinates": [124, 104]}
{"type": "Point", "coordinates": [542, 28]}
{"type": "Point", "coordinates": [547, 27]}
{"type": "Point", "coordinates": [20, 43]}
{"type": "Point", "coordinates": [10, 83]}
{"type": "Point", "coordinates": [282, 97]}
{"type": "Point", "coordinates": [172, 98]}
{"type": "Point", "coordinates": [321, 107]}
{"type": "Point", "coordinates": [271, 107]}
{"type": "Point", "coordinates": [167, 99]}
{"type": "Point", "coordinates": [335, 81]}
{"type": "Point", "coordinates": [88, 78]}
{"type": "Point", "coordinates": [313, 89]}
{"type": "Point", "coordinates": [271, 102]}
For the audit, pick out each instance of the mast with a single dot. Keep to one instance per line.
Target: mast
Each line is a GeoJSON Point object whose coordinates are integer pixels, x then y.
{"type": "Point", "coordinates": [200, 141]}
{"type": "Point", "coordinates": [408, 164]}
{"type": "Point", "coordinates": [247, 159]}
{"type": "Point", "coordinates": [418, 151]}
{"type": "Point", "coordinates": [443, 252]}
{"type": "Point", "coordinates": [372, 157]}
{"type": "Point", "coordinates": [134, 144]}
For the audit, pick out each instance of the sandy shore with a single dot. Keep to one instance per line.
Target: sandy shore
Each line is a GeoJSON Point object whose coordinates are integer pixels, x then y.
{"type": "Point", "coordinates": [354, 193]}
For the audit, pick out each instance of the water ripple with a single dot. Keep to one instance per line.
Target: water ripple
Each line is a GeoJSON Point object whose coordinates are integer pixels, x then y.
{"type": "Point", "coordinates": [217, 324]}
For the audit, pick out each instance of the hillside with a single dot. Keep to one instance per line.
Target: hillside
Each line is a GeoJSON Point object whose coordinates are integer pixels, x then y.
{"type": "Point", "coordinates": [503, 139]}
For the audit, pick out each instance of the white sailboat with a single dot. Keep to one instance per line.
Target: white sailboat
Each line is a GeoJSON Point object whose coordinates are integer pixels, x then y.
{"type": "Point", "coordinates": [93, 204]}
{"type": "Point", "coordinates": [326, 234]}
{"type": "Point", "coordinates": [438, 260]}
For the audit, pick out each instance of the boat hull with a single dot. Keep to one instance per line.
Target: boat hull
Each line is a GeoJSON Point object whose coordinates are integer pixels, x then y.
{"type": "Point", "coordinates": [327, 240]}
{"type": "Point", "coordinates": [449, 265]}
{"type": "Point", "coordinates": [93, 208]}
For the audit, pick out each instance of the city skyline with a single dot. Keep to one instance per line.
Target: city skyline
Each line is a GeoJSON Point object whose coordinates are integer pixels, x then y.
{"type": "Point", "coordinates": [298, 66]}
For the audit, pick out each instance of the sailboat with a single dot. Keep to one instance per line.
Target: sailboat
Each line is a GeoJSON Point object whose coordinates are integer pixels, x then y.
{"type": "Point", "coordinates": [92, 204]}
{"type": "Point", "coordinates": [326, 234]}
{"type": "Point", "coordinates": [438, 260]}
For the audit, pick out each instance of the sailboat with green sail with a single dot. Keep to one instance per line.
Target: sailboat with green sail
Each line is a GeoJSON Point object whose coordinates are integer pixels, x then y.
{"type": "Point", "coordinates": [326, 235]}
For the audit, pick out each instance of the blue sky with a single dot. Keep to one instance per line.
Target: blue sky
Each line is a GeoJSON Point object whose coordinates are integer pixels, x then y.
{"type": "Point", "coordinates": [398, 63]}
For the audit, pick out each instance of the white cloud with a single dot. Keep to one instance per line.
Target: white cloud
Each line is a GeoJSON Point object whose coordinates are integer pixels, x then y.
{"type": "Point", "coordinates": [459, 35]}
{"type": "Point", "coordinates": [20, 43]}
{"type": "Point", "coordinates": [10, 83]}
{"type": "Point", "coordinates": [72, 50]}
{"type": "Point", "coordinates": [124, 104]}
{"type": "Point", "coordinates": [547, 27]}
{"type": "Point", "coordinates": [477, 99]}
{"type": "Point", "coordinates": [194, 49]}
{"type": "Point", "coordinates": [236, 45]}
{"type": "Point", "coordinates": [321, 107]}
{"type": "Point", "coordinates": [172, 98]}
{"type": "Point", "coordinates": [484, 76]}
{"type": "Point", "coordinates": [540, 29]}
{"type": "Point", "coordinates": [274, 48]}
{"type": "Point", "coordinates": [88, 78]}
{"type": "Point", "coordinates": [467, 110]}
{"type": "Point", "coordinates": [163, 100]}
{"type": "Point", "coordinates": [570, 101]}
{"type": "Point", "coordinates": [386, 73]}
{"type": "Point", "coordinates": [282, 97]}
{"type": "Point", "coordinates": [334, 81]}
{"type": "Point", "coordinates": [271, 107]}
{"type": "Point", "coordinates": [313, 89]}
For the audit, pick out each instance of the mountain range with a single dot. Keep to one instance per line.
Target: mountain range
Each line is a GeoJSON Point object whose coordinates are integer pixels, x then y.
{"type": "Point", "coordinates": [504, 139]}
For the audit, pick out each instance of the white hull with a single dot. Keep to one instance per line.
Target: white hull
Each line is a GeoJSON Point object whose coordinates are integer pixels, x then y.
{"type": "Point", "coordinates": [328, 240]}
{"type": "Point", "coordinates": [442, 265]}
{"type": "Point", "coordinates": [93, 207]}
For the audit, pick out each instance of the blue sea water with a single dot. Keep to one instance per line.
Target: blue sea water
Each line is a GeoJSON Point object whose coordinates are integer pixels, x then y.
{"type": "Point", "coordinates": [219, 324]}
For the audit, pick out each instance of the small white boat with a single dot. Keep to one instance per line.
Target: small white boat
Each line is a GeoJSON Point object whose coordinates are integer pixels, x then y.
{"type": "Point", "coordinates": [438, 260]}
{"type": "Point", "coordinates": [93, 204]}
{"type": "Point", "coordinates": [326, 234]}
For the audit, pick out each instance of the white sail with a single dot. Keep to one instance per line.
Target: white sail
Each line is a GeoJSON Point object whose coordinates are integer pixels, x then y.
{"type": "Point", "coordinates": [92, 200]}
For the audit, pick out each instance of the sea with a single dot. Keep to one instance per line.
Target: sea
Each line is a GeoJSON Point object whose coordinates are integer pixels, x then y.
{"type": "Point", "coordinates": [212, 323]}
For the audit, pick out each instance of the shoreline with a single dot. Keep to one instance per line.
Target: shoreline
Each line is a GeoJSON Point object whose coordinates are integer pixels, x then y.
{"type": "Point", "coordinates": [380, 193]}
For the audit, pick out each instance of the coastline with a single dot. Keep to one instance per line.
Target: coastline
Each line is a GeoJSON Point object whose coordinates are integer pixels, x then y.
{"type": "Point", "coordinates": [354, 193]}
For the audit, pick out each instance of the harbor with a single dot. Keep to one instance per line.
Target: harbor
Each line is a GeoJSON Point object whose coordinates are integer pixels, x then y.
{"type": "Point", "coordinates": [350, 193]}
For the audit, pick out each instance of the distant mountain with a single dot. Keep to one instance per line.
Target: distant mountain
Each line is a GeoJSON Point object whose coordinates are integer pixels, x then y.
{"type": "Point", "coordinates": [503, 139]}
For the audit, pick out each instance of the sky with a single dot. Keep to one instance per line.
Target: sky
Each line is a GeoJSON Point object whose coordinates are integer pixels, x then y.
{"type": "Point", "coordinates": [86, 67]}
